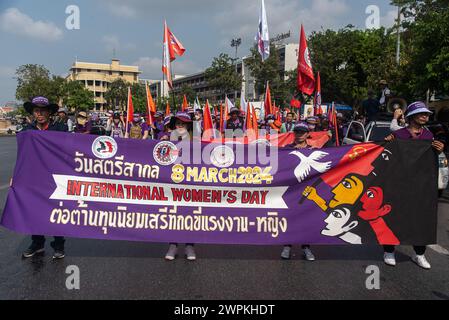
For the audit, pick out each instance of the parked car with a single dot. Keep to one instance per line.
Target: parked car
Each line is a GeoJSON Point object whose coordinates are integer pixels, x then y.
{"type": "Point", "coordinates": [376, 131]}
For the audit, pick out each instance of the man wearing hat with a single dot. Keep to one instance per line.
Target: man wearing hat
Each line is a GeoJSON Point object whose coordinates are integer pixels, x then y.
{"type": "Point", "coordinates": [83, 125]}
{"type": "Point", "coordinates": [302, 133]}
{"type": "Point", "coordinates": [42, 110]}
{"type": "Point", "coordinates": [137, 129]}
{"type": "Point", "coordinates": [234, 123]}
{"type": "Point", "coordinates": [64, 119]}
{"type": "Point", "coordinates": [417, 115]}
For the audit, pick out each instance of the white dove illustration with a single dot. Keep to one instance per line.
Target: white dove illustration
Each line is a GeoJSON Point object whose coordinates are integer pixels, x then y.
{"type": "Point", "coordinates": [303, 169]}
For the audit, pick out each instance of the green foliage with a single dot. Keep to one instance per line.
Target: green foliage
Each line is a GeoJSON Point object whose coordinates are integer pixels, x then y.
{"type": "Point", "coordinates": [271, 71]}
{"type": "Point", "coordinates": [77, 97]}
{"type": "Point", "coordinates": [117, 94]}
{"type": "Point", "coordinates": [223, 76]}
{"type": "Point", "coordinates": [35, 80]}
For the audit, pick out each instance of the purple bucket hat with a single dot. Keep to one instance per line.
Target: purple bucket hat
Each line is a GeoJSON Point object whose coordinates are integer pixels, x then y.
{"type": "Point", "coordinates": [167, 120]}
{"type": "Point", "coordinates": [415, 108]}
{"type": "Point", "coordinates": [301, 127]}
{"type": "Point", "coordinates": [183, 116]}
{"type": "Point", "coordinates": [40, 102]}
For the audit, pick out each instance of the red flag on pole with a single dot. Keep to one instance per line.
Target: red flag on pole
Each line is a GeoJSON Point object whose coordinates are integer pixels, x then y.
{"type": "Point", "coordinates": [171, 48]}
{"type": "Point", "coordinates": [221, 118]}
{"type": "Point", "coordinates": [267, 104]}
{"type": "Point", "coordinates": [185, 104]}
{"type": "Point", "coordinates": [306, 79]}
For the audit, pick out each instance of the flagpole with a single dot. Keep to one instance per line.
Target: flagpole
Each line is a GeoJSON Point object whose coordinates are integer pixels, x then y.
{"type": "Point", "coordinates": [172, 88]}
{"type": "Point", "coordinates": [127, 113]}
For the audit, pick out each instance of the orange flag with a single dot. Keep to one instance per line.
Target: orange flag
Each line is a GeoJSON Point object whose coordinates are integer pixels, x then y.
{"type": "Point", "coordinates": [249, 123]}
{"type": "Point", "coordinates": [167, 110]}
{"type": "Point", "coordinates": [151, 106]}
{"type": "Point", "coordinates": [267, 103]}
{"type": "Point", "coordinates": [254, 119]}
{"type": "Point", "coordinates": [129, 109]}
{"type": "Point", "coordinates": [207, 122]}
{"type": "Point", "coordinates": [185, 104]}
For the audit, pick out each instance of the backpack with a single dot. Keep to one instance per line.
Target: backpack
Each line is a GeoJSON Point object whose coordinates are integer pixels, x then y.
{"type": "Point", "coordinates": [135, 132]}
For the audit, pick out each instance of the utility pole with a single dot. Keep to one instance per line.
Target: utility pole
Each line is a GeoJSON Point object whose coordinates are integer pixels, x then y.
{"type": "Point", "coordinates": [398, 46]}
{"type": "Point", "coordinates": [235, 43]}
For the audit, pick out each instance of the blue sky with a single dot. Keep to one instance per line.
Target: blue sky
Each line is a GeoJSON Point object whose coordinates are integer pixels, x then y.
{"type": "Point", "coordinates": [33, 31]}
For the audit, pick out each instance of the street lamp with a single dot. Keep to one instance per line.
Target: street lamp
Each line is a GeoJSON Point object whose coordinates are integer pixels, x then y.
{"type": "Point", "coordinates": [235, 43]}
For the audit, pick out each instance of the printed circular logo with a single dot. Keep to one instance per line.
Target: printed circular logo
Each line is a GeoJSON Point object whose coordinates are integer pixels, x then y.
{"type": "Point", "coordinates": [222, 156]}
{"type": "Point", "coordinates": [104, 147]}
{"type": "Point", "coordinates": [165, 153]}
{"type": "Point", "coordinates": [307, 57]}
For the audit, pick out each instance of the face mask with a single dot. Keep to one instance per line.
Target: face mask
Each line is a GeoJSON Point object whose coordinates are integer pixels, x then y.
{"type": "Point", "coordinates": [270, 121]}
{"type": "Point", "coordinates": [136, 119]}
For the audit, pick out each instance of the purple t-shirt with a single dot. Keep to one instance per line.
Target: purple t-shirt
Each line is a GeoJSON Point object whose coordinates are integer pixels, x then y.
{"type": "Point", "coordinates": [405, 134]}
{"type": "Point", "coordinates": [87, 127]}
{"type": "Point", "coordinates": [143, 126]}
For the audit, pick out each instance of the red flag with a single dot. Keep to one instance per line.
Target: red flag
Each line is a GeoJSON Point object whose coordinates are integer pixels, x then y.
{"type": "Point", "coordinates": [268, 105]}
{"type": "Point", "coordinates": [151, 106]}
{"type": "Point", "coordinates": [175, 47]}
{"type": "Point", "coordinates": [167, 110]}
{"type": "Point", "coordinates": [306, 79]}
{"type": "Point", "coordinates": [207, 123]}
{"type": "Point", "coordinates": [185, 104]}
{"type": "Point", "coordinates": [166, 61]}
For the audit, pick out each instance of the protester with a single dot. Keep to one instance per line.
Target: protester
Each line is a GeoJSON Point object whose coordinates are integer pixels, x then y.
{"type": "Point", "coordinates": [385, 94]}
{"type": "Point", "coordinates": [115, 126]}
{"type": "Point", "coordinates": [83, 125]}
{"type": "Point", "coordinates": [158, 125]}
{"type": "Point", "coordinates": [64, 119]}
{"type": "Point", "coordinates": [166, 130]}
{"type": "Point", "coordinates": [398, 121]}
{"type": "Point", "coordinates": [137, 129]}
{"type": "Point", "coordinates": [417, 115]}
{"type": "Point", "coordinates": [42, 110]}
{"type": "Point", "coordinates": [234, 122]}
{"type": "Point", "coordinates": [182, 127]}
{"type": "Point", "coordinates": [302, 133]}
{"type": "Point", "coordinates": [199, 122]}
{"type": "Point", "coordinates": [371, 107]}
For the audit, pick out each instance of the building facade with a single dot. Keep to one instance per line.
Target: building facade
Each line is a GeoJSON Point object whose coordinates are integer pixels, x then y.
{"type": "Point", "coordinates": [288, 59]}
{"type": "Point", "coordinates": [96, 77]}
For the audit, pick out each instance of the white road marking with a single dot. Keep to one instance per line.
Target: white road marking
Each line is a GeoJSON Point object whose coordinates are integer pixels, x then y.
{"type": "Point", "coordinates": [439, 249]}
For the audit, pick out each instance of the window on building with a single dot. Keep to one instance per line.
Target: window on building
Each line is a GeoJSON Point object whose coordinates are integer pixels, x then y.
{"type": "Point", "coordinates": [121, 73]}
{"type": "Point", "coordinates": [98, 94]}
{"type": "Point", "coordinates": [90, 82]}
{"type": "Point", "coordinates": [97, 83]}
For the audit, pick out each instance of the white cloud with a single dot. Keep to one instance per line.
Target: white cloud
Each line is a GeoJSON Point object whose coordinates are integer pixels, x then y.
{"type": "Point", "coordinates": [16, 22]}
{"type": "Point", "coordinates": [151, 67]}
{"type": "Point", "coordinates": [389, 20]}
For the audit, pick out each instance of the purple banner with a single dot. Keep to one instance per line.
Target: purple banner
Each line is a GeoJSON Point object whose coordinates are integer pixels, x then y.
{"type": "Point", "coordinates": [99, 187]}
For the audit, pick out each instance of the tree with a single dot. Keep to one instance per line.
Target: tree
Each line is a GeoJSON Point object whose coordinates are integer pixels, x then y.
{"type": "Point", "coordinates": [117, 93]}
{"type": "Point", "coordinates": [269, 71]}
{"type": "Point", "coordinates": [189, 92]}
{"type": "Point", "coordinates": [425, 47]}
{"type": "Point", "coordinates": [223, 76]}
{"type": "Point", "coordinates": [77, 97]}
{"type": "Point", "coordinates": [139, 98]}
{"type": "Point", "coordinates": [34, 80]}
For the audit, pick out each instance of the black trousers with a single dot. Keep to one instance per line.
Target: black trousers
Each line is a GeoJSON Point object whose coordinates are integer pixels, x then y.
{"type": "Point", "coordinates": [57, 244]}
{"type": "Point", "coordinates": [419, 250]}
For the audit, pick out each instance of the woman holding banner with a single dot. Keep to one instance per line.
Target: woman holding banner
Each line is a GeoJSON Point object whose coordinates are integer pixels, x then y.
{"type": "Point", "coordinates": [302, 133]}
{"type": "Point", "coordinates": [182, 127]}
